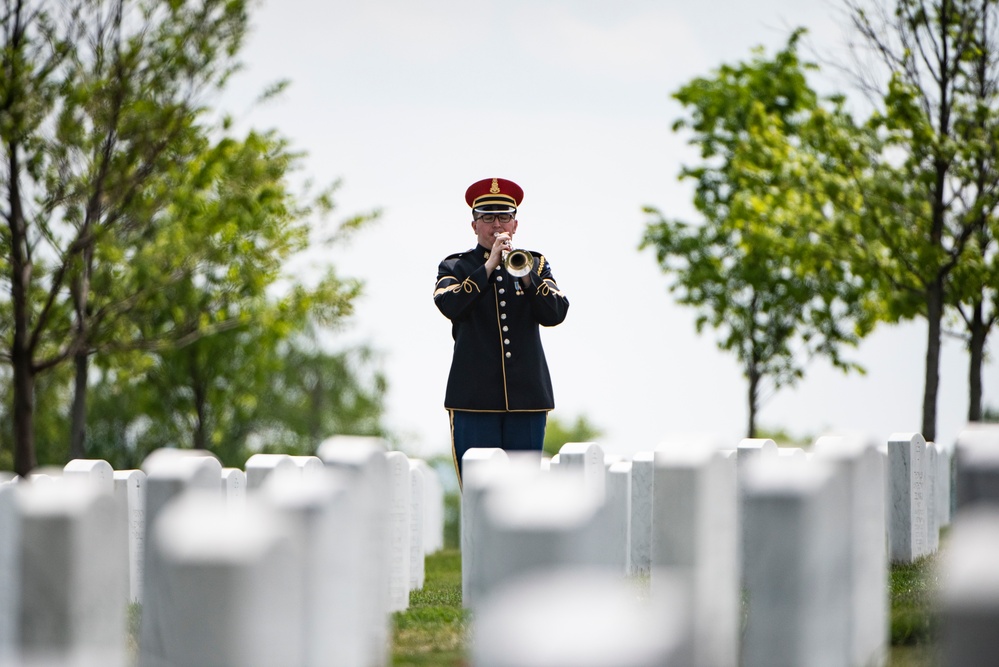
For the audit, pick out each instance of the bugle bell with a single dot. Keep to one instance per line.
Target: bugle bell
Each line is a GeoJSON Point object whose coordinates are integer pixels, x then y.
{"type": "Point", "coordinates": [518, 262]}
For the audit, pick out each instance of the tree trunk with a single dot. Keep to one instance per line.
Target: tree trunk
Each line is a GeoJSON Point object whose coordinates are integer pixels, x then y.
{"type": "Point", "coordinates": [78, 418]}
{"type": "Point", "coordinates": [754, 385]}
{"type": "Point", "coordinates": [21, 352]}
{"type": "Point", "coordinates": [315, 411]}
{"type": "Point", "coordinates": [934, 318]}
{"type": "Point", "coordinates": [24, 412]}
{"type": "Point", "coordinates": [976, 357]}
{"type": "Point", "coordinates": [200, 392]}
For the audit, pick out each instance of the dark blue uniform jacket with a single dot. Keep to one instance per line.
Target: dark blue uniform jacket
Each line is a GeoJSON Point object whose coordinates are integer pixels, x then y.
{"type": "Point", "coordinates": [498, 363]}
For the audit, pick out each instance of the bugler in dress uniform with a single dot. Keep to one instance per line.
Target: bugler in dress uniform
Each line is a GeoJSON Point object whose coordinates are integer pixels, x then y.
{"type": "Point", "coordinates": [498, 364]}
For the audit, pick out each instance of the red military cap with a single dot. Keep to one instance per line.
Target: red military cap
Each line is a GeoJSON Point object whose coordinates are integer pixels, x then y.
{"type": "Point", "coordinates": [494, 193]}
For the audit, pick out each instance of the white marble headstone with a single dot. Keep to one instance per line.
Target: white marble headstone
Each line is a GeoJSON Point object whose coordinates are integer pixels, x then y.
{"type": "Point", "coordinates": [617, 516]}
{"type": "Point", "coordinates": [323, 519]}
{"type": "Point", "coordinates": [232, 588]}
{"type": "Point", "coordinates": [977, 470]}
{"type": "Point", "coordinates": [169, 474]}
{"type": "Point", "coordinates": [576, 618]}
{"type": "Point", "coordinates": [642, 475]}
{"type": "Point", "coordinates": [969, 588]}
{"type": "Point", "coordinates": [360, 462]}
{"type": "Point", "coordinates": [862, 464]}
{"type": "Point", "coordinates": [538, 523]}
{"type": "Point", "coordinates": [399, 530]}
{"type": "Point", "coordinates": [72, 609]}
{"type": "Point", "coordinates": [791, 453]}
{"type": "Point", "coordinates": [908, 524]}
{"type": "Point", "coordinates": [585, 459]}
{"type": "Point", "coordinates": [417, 555]}
{"type": "Point", "coordinates": [308, 464]}
{"type": "Point", "coordinates": [481, 466]}
{"type": "Point", "coordinates": [695, 536]}
{"type": "Point", "coordinates": [259, 466]}
{"type": "Point", "coordinates": [10, 569]}
{"type": "Point", "coordinates": [797, 560]}
{"type": "Point", "coordinates": [93, 471]}
{"type": "Point", "coordinates": [233, 486]}
{"type": "Point", "coordinates": [130, 513]}
{"type": "Point", "coordinates": [748, 451]}
{"type": "Point", "coordinates": [930, 490]}
{"type": "Point", "coordinates": [433, 508]}
{"type": "Point", "coordinates": [754, 449]}
{"type": "Point", "coordinates": [944, 482]}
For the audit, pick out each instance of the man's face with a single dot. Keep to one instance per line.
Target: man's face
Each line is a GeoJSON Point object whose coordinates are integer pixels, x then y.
{"type": "Point", "coordinates": [488, 225]}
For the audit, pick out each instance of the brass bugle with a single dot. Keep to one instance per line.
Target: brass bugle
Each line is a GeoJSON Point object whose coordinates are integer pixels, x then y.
{"type": "Point", "coordinates": [518, 262]}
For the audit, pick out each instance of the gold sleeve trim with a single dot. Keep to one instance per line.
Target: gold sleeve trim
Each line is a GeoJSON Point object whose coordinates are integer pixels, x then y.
{"type": "Point", "coordinates": [548, 287]}
{"type": "Point", "coordinates": [467, 286]}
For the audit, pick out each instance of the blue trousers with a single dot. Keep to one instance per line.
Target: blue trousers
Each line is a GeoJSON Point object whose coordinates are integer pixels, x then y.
{"type": "Point", "coordinates": [512, 431]}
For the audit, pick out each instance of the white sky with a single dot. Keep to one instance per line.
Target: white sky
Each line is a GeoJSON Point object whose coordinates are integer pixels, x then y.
{"type": "Point", "coordinates": [411, 101]}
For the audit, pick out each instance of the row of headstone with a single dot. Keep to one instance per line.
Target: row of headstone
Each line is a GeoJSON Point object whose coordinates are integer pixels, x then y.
{"type": "Point", "coordinates": [918, 489]}
{"type": "Point", "coordinates": [292, 561]}
{"type": "Point", "coordinates": [755, 555]}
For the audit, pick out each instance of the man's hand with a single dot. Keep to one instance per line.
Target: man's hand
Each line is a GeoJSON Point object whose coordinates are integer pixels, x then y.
{"type": "Point", "coordinates": [502, 242]}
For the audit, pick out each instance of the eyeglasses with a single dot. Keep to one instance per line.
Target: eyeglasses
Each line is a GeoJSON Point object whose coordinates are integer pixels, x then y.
{"type": "Point", "coordinates": [491, 217]}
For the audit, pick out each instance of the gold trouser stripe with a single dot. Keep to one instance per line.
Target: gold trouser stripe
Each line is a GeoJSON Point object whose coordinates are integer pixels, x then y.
{"type": "Point", "coordinates": [454, 451]}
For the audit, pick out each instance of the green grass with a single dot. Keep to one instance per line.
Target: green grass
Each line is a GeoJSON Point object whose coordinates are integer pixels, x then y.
{"type": "Point", "coordinates": [912, 588]}
{"type": "Point", "coordinates": [432, 632]}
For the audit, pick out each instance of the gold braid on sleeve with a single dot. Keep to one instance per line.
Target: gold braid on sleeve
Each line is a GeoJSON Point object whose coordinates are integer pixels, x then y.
{"type": "Point", "coordinates": [467, 285]}
{"type": "Point", "coordinates": [548, 287]}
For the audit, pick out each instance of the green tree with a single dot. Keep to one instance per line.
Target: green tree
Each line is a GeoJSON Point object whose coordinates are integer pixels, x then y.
{"type": "Point", "coordinates": [212, 248]}
{"type": "Point", "coordinates": [317, 393]}
{"type": "Point", "coordinates": [99, 104]}
{"type": "Point", "coordinates": [976, 277]}
{"type": "Point", "coordinates": [558, 433]}
{"type": "Point", "coordinates": [785, 438]}
{"type": "Point", "coordinates": [250, 389]}
{"type": "Point", "coordinates": [774, 180]}
{"type": "Point", "coordinates": [249, 229]}
{"type": "Point", "coordinates": [928, 215]}
{"type": "Point", "coordinates": [133, 225]}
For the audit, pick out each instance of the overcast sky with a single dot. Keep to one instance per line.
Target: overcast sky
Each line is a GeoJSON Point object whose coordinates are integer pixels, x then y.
{"type": "Point", "coordinates": [408, 102]}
